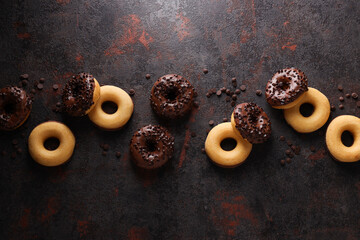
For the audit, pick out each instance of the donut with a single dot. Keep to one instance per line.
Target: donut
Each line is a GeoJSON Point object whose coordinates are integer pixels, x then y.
{"type": "Point", "coordinates": [286, 88]}
{"type": "Point", "coordinates": [119, 118]}
{"type": "Point", "coordinates": [334, 144]}
{"type": "Point", "coordinates": [221, 157]}
{"type": "Point", "coordinates": [251, 121]}
{"type": "Point", "coordinates": [80, 94]}
{"type": "Point", "coordinates": [172, 96]}
{"type": "Point", "coordinates": [316, 120]}
{"type": "Point", "coordinates": [151, 147]}
{"type": "Point", "coordinates": [44, 131]}
{"type": "Point", "coordinates": [15, 107]}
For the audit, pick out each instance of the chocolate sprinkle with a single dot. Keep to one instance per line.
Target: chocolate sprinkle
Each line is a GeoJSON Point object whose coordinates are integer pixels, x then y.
{"type": "Point", "coordinates": [40, 86]}
{"type": "Point", "coordinates": [55, 87]}
{"type": "Point", "coordinates": [258, 92]}
{"type": "Point", "coordinates": [148, 76]}
{"type": "Point", "coordinates": [131, 92]}
{"type": "Point", "coordinates": [340, 88]}
{"type": "Point", "coordinates": [348, 95]}
{"type": "Point", "coordinates": [341, 106]}
{"type": "Point", "coordinates": [341, 99]}
{"type": "Point", "coordinates": [211, 122]}
{"type": "Point", "coordinates": [42, 80]}
{"type": "Point", "coordinates": [282, 162]}
{"type": "Point", "coordinates": [243, 88]}
{"type": "Point", "coordinates": [332, 108]}
{"type": "Point", "coordinates": [205, 70]}
{"type": "Point", "coordinates": [282, 138]}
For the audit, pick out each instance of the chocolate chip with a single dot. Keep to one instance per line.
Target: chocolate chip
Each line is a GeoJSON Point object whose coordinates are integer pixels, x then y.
{"type": "Point", "coordinates": [211, 122]}
{"type": "Point", "coordinates": [288, 152]}
{"type": "Point", "coordinates": [58, 104]}
{"type": "Point", "coordinates": [24, 76]}
{"type": "Point", "coordinates": [341, 99]}
{"type": "Point", "coordinates": [341, 106]}
{"type": "Point", "coordinates": [237, 91]}
{"type": "Point", "coordinates": [233, 103]}
{"type": "Point", "coordinates": [14, 142]}
{"type": "Point", "coordinates": [340, 88]}
{"type": "Point", "coordinates": [358, 104]}
{"type": "Point", "coordinates": [42, 80]}
{"type": "Point", "coordinates": [258, 92]}
{"type": "Point", "coordinates": [55, 87]}
{"type": "Point", "coordinates": [193, 134]}
{"type": "Point", "coordinates": [288, 160]}
{"type": "Point", "coordinates": [106, 147]}
{"type": "Point", "coordinates": [234, 97]}
{"type": "Point", "coordinates": [354, 95]}
{"type": "Point", "coordinates": [208, 95]}
{"type": "Point", "coordinates": [312, 148]}
{"type": "Point", "coordinates": [104, 153]}
{"type": "Point", "coordinates": [147, 76]}
{"type": "Point", "coordinates": [293, 147]}
{"type": "Point", "coordinates": [225, 120]}
{"type": "Point", "coordinates": [205, 70]}
{"type": "Point", "coordinates": [332, 108]}
{"type": "Point", "coordinates": [196, 104]}
{"type": "Point", "coordinates": [40, 86]}
{"type": "Point", "coordinates": [118, 154]}
{"type": "Point", "coordinates": [234, 84]}
{"type": "Point", "coordinates": [347, 95]}
{"type": "Point", "coordinates": [218, 93]}
{"type": "Point", "coordinates": [282, 162]}
{"type": "Point", "coordinates": [297, 150]}
{"type": "Point", "coordinates": [33, 91]}
{"type": "Point", "coordinates": [227, 99]}
{"type": "Point", "coordinates": [203, 150]}
{"type": "Point", "coordinates": [282, 138]}
{"type": "Point", "coordinates": [289, 143]}
{"type": "Point", "coordinates": [228, 91]}
{"type": "Point", "coordinates": [233, 79]}
{"type": "Point", "coordinates": [223, 89]}
{"type": "Point", "coordinates": [131, 92]}
{"type": "Point", "coordinates": [243, 88]}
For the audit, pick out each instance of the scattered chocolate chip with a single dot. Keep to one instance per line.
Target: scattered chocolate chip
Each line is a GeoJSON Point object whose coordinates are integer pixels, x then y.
{"type": "Point", "coordinates": [289, 143]}
{"type": "Point", "coordinates": [205, 70]}
{"type": "Point", "coordinates": [55, 87]}
{"type": "Point", "coordinates": [211, 122]}
{"type": "Point", "coordinates": [106, 147]}
{"type": "Point", "coordinates": [104, 153]}
{"type": "Point", "coordinates": [293, 147]}
{"type": "Point", "coordinates": [228, 92]}
{"type": "Point", "coordinates": [288, 152]}
{"type": "Point", "coordinates": [218, 93]}
{"type": "Point", "coordinates": [42, 80]}
{"type": "Point", "coordinates": [147, 76]}
{"type": "Point", "coordinates": [40, 86]}
{"type": "Point", "coordinates": [288, 160]}
{"type": "Point", "coordinates": [118, 154]}
{"type": "Point", "coordinates": [258, 92]}
{"type": "Point", "coordinates": [332, 108]}
{"type": "Point", "coordinates": [223, 89]}
{"type": "Point", "coordinates": [131, 92]}
{"type": "Point", "coordinates": [14, 142]}
{"type": "Point", "coordinates": [282, 162]}
{"type": "Point", "coordinates": [58, 104]}
{"type": "Point", "coordinates": [208, 95]}
{"type": "Point", "coordinates": [341, 106]}
{"type": "Point", "coordinates": [358, 104]}
{"type": "Point", "coordinates": [312, 148]}
{"type": "Point", "coordinates": [234, 84]}
{"type": "Point", "coordinates": [341, 99]}
{"type": "Point", "coordinates": [24, 76]}
{"type": "Point", "coordinates": [233, 79]}
{"type": "Point", "coordinates": [297, 150]}
{"type": "Point", "coordinates": [213, 90]}
{"type": "Point", "coordinates": [225, 120]}
{"type": "Point", "coordinates": [33, 91]}
{"type": "Point", "coordinates": [203, 150]}
{"type": "Point", "coordinates": [282, 138]}
{"type": "Point", "coordinates": [24, 82]}
{"type": "Point", "coordinates": [234, 97]}
{"type": "Point", "coordinates": [340, 88]}
{"type": "Point", "coordinates": [243, 88]}
{"type": "Point", "coordinates": [233, 103]}
{"type": "Point", "coordinates": [196, 104]}
{"type": "Point", "coordinates": [354, 95]}
{"type": "Point", "coordinates": [227, 99]}
{"type": "Point", "coordinates": [347, 95]}
{"type": "Point", "coordinates": [237, 91]}
{"type": "Point", "coordinates": [13, 155]}
{"type": "Point", "coordinates": [193, 134]}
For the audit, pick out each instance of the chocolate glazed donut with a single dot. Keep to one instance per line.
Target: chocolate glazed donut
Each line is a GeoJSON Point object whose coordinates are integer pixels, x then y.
{"type": "Point", "coordinates": [151, 147]}
{"type": "Point", "coordinates": [172, 96]}
{"type": "Point", "coordinates": [80, 94]}
{"type": "Point", "coordinates": [15, 107]}
{"type": "Point", "coordinates": [286, 86]}
{"type": "Point", "coordinates": [252, 122]}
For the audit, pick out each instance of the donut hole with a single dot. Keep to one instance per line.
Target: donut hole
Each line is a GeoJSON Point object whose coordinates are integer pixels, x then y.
{"type": "Point", "coordinates": [171, 93]}
{"type": "Point", "coordinates": [151, 144]}
{"type": "Point", "coordinates": [347, 138]}
{"type": "Point", "coordinates": [306, 109]}
{"type": "Point", "coordinates": [9, 108]}
{"type": "Point", "coordinates": [52, 143]}
{"type": "Point", "coordinates": [109, 107]}
{"type": "Point", "coordinates": [228, 144]}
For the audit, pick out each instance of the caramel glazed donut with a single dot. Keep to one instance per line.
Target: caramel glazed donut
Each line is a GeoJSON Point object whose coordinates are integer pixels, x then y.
{"type": "Point", "coordinates": [222, 158]}
{"type": "Point", "coordinates": [15, 107]}
{"type": "Point", "coordinates": [151, 147]}
{"type": "Point", "coordinates": [172, 96]}
{"type": "Point", "coordinates": [286, 88]}
{"type": "Point", "coordinates": [334, 144]}
{"type": "Point", "coordinates": [251, 122]}
{"type": "Point", "coordinates": [47, 130]}
{"type": "Point", "coordinates": [80, 94]}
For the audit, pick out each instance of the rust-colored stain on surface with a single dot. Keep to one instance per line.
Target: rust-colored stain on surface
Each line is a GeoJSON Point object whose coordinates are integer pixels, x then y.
{"type": "Point", "coordinates": [79, 57]}
{"type": "Point", "coordinates": [183, 150]}
{"type": "Point", "coordinates": [23, 35]}
{"type": "Point", "coordinates": [132, 32]}
{"type": "Point", "coordinates": [24, 219]}
{"type": "Point", "coordinates": [138, 233]}
{"type": "Point", "coordinates": [63, 2]}
{"type": "Point", "coordinates": [52, 209]}
{"type": "Point", "coordinates": [290, 46]}
{"type": "Point", "coordinates": [82, 227]}
{"type": "Point", "coordinates": [320, 154]}
{"type": "Point", "coordinates": [183, 28]}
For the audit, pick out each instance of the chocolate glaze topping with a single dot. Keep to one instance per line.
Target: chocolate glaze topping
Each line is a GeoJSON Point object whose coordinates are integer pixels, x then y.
{"type": "Point", "coordinates": [286, 86]}
{"type": "Point", "coordinates": [15, 107]}
{"type": "Point", "coordinates": [252, 122]}
{"type": "Point", "coordinates": [172, 96]}
{"type": "Point", "coordinates": [78, 94]}
{"type": "Point", "coordinates": [151, 146]}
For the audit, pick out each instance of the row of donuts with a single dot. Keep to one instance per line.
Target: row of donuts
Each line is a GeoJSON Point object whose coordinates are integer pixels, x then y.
{"type": "Point", "coordinates": [288, 90]}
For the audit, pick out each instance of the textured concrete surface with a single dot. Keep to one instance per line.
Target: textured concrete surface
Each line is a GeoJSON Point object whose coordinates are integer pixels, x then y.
{"type": "Point", "coordinates": [119, 42]}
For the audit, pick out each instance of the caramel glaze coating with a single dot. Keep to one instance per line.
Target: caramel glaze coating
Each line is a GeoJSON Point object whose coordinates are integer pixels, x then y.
{"type": "Point", "coordinates": [172, 96]}
{"type": "Point", "coordinates": [252, 122]}
{"type": "Point", "coordinates": [78, 94]}
{"type": "Point", "coordinates": [151, 147]}
{"type": "Point", "coordinates": [286, 86]}
{"type": "Point", "coordinates": [15, 107]}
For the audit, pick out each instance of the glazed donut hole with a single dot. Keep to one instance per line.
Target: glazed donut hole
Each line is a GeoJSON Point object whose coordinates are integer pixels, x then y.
{"type": "Point", "coordinates": [228, 144]}
{"type": "Point", "coordinates": [109, 107]}
{"type": "Point", "coordinates": [9, 107]}
{"type": "Point", "coordinates": [307, 109]}
{"type": "Point", "coordinates": [347, 138]}
{"type": "Point", "coordinates": [171, 93]}
{"type": "Point", "coordinates": [51, 143]}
